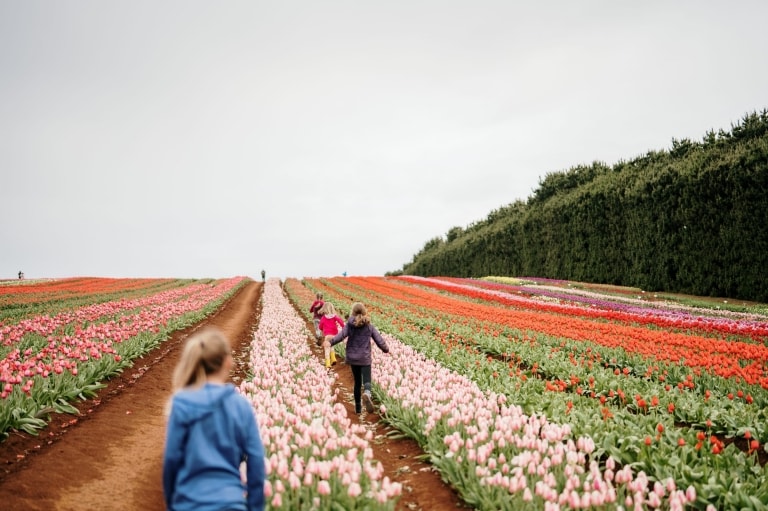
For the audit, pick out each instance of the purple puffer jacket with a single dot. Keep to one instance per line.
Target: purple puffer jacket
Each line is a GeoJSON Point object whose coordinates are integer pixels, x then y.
{"type": "Point", "coordinates": [359, 342]}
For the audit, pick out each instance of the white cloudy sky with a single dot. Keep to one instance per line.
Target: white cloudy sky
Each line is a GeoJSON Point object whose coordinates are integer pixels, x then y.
{"type": "Point", "coordinates": [210, 139]}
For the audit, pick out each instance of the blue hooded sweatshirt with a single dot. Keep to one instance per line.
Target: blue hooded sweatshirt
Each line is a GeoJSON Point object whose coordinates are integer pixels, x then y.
{"type": "Point", "coordinates": [211, 430]}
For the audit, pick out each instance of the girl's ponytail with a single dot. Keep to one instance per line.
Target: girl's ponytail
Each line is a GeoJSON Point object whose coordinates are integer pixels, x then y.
{"type": "Point", "coordinates": [204, 353]}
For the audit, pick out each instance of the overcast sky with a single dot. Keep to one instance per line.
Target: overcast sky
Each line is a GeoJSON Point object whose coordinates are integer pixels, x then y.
{"type": "Point", "coordinates": [309, 138]}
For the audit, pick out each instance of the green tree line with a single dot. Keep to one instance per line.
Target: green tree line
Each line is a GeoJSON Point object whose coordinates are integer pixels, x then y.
{"type": "Point", "coordinates": [690, 219]}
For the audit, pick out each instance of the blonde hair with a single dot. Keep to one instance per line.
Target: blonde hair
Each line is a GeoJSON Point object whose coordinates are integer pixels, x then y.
{"type": "Point", "coordinates": [204, 353]}
{"type": "Point", "coordinates": [328, 308]}
{"type": "Point", "coordinates": [360, 314]}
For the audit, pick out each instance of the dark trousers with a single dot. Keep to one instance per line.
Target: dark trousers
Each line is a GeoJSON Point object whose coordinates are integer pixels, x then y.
{"type": "Point", "coordinates": [362, 376]}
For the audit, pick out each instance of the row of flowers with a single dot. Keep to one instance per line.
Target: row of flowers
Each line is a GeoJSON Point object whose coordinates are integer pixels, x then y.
{"type": "Point", "coordinates": [743, 361]}
{"type": "Point", "coordinates": [50, 361]}
{"type": "Point", "coordinates": [639, 302]}
{"type": "Point", "coordinates": [610, 376]}
{"type": "Point", "coordinates": [74, 286]}
{"type": "Point", "coordinates": [55, 295]}
{"type": "Point", "coordinates": [752, 326]}
{"type": "Point", "coordinates": [494, 454]}
{"type": "Point", "coordinates": [649, 440]}
{"type": "Point", "coordinates": [316, 457]}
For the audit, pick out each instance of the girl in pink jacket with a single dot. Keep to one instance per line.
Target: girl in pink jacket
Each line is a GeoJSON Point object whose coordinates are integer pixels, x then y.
{"type": "Point", "coordinates": [329, 325]}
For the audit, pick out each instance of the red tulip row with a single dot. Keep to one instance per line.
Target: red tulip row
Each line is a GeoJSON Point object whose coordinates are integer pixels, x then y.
{"type": "Point", "coordinates": [494, 292]}
{"type": "Point", "coordinates": [57, 289]}
{"type": "Point", "coordinates": [728, 359]}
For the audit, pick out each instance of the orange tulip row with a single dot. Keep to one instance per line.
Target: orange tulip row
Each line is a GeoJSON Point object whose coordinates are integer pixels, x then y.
{"type": "Point", "coordinates": [729, 359]}
{"type": "Point", "coordinates": [57, 289]}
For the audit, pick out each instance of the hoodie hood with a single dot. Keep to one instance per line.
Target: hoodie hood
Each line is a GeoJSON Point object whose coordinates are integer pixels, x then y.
{"type": "Point", "coordinates": [195, 403]}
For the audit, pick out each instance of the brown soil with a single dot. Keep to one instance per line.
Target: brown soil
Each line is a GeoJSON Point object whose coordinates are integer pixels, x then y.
{"type": "Point", "coordinates": [110, 456]}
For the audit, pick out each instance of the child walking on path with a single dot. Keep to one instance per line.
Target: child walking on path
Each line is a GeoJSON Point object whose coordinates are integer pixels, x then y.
{"type": "Point", "coordinates": [359, 331]}
{"type": "Point", "coordinates": [211, 430]}
{"type": "Point", "coordinates": [329, 326]}
{"type": "Point", "coordinates": [316, 315]}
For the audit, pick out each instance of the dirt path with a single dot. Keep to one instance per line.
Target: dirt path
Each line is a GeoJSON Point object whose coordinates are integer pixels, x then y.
{"type": "Point", "coordinates": [110, 457]}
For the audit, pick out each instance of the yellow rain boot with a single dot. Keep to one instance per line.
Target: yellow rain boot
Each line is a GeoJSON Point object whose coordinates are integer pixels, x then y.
{"type": "Point", "coordinates": [333, 357]}
{"type": "Point", "coordinates": [327, 363]}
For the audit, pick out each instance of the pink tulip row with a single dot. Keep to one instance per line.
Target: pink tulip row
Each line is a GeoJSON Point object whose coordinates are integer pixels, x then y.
{"type": "Point", "coordinates": [146, 308]}
{"type": "Point", "coordinates": [657, 307]}
{"type": "Point", "coordinates": [314, 451]}
{"type": "Point", "coordinates": [495, 445]}
{"type": "Point", "coordinates": [95, 331]}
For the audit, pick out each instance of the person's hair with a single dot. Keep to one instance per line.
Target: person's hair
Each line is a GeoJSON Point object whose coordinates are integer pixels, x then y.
{"type": "Point", "coordinates": [319, 296]}
{"type": "Point", "coordinates": [204, 353]}
{"type": "Point", "coordinates": [360, 314]}
{"type": "Point", "coordinates": [328, 308]}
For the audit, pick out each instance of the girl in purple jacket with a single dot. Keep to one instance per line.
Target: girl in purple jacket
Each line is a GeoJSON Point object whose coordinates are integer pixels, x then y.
{"type": "Point", "coordinates": [359, 331]}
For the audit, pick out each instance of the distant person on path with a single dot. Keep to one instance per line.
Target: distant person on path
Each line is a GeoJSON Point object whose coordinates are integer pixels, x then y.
{"type": "Point", "coordinates": [211, 431]}
{"type": "Point", "coordinates": [21, 275]}
{"type": "Point", "coordinates": [329, 325]}
{"type": "Point", "coordinates": [359, 331]}
{"type": "Point", "coordinates": [316, 315]}
{"type": "Point", "coordinates": [263, 275]}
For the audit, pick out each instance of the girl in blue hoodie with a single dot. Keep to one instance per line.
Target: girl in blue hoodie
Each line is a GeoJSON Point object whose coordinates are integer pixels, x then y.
{"type": "Point", "coordinates": [211, 430]}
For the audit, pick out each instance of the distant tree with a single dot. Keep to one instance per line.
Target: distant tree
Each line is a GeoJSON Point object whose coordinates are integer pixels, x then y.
{"type": "Point", "coordinates": [453, 233]}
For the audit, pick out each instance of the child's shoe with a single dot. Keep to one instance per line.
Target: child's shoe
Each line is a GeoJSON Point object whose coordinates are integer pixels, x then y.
{"type": "Point", "coordinates": [333, 358]}
{"type": "Point", "coordinates": [327, 363]}
{"type": "Point", "coordinates": [368, 403]}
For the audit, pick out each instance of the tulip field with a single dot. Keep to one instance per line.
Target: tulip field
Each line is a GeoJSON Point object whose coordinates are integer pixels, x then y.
{"type": "Point", "coordinates": [525, 394]}
{"type": "Point", "coordinates": [316, 457]}
{"type": "Point", "coordinates": [540, 396]}
{"type": "Point", "coordinates": [59, 339]}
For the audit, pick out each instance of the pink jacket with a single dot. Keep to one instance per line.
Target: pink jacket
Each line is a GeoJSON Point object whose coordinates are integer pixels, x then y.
{"type": "Point", "coordinates": [330, 325]}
